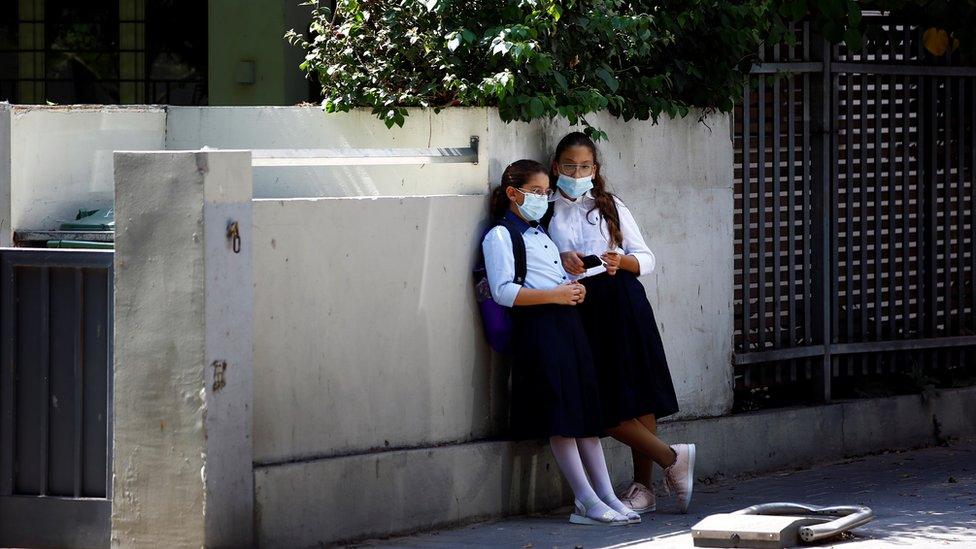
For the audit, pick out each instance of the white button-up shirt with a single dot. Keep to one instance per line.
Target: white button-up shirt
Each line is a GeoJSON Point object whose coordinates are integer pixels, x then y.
{"type": "Point", "coordinates": [573, 229]}
{"type": "Point", "coordinates": [544, 269]}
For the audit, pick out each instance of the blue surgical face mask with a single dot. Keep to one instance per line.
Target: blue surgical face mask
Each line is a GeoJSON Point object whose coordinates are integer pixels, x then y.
{"type": "Point", "coordinates": [534, 206]}
{"type": "Point", "coordinates": [573, 187]}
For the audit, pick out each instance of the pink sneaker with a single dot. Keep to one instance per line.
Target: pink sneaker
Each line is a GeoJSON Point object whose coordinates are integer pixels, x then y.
{"type": "Point", "coordinates": [639, 498]}
{"type": "Point", "coordinates": [679, 478]}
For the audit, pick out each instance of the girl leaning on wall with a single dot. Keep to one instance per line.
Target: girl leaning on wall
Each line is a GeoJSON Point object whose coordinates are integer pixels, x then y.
{"type": "Point", "coordinates": [632, 371]}
{"type": "Point", "coordinates": [554, 385]}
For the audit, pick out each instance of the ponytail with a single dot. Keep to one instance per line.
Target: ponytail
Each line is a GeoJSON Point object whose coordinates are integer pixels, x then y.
{"type": "Point", "coordinates": [515, 175]}
{"type": "Point", "coordinates": [499, 202]}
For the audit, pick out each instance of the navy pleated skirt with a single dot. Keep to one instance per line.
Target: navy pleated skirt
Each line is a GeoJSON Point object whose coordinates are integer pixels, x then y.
{"type": "Point", "coordinates": [554, 383]}
{"type": "Point", "coordinates": [631, 367]}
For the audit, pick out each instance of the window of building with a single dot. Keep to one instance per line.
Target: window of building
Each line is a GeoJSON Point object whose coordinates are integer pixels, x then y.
{"type": "Point", "coordinates": [104, 51]}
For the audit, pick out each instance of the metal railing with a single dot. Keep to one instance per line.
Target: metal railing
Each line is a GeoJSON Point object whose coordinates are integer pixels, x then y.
{"type": "Point", "coordinates": [361, 157]}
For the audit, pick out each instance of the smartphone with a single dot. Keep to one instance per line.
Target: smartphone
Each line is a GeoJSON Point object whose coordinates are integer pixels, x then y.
{"type": "Point", "coordinates": [591, 261]}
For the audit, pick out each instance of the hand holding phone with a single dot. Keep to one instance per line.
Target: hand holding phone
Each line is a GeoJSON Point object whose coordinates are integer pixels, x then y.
{"type": "Point", "coordinates": [591, 261]}
{"type": "Point", "coordinates": [612, 261]}
{"type": "Point", "coordinates": [573, 263]}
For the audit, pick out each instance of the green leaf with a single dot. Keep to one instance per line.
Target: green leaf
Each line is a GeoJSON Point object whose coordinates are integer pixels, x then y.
{"type": "Point", "coordinates": [595, 134]}
{"type": "Point", "coordinates": [555, 11]}
{"type": "Point", "coordinates": [608, 79]}
{"type": "Point", "coordinates": [535, 107]}
{"type": "Point", "coordinates": [560, 80]}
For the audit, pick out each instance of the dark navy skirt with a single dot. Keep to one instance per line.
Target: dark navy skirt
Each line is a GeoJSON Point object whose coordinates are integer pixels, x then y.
{"type": "Point", "coordinates": [554, 384]}
{"type": "Point", "coordinates": [630, 362]}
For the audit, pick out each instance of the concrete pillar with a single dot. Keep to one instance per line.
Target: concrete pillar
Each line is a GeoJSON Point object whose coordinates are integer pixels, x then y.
{"type": "Point", "coordinates": [182, 456]}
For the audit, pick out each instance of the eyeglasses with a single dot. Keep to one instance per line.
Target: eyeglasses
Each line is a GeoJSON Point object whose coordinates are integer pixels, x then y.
{"type": "Point", "coordinates": [546, 193]}
{"type": "Point", "coordinates": [574, 168]}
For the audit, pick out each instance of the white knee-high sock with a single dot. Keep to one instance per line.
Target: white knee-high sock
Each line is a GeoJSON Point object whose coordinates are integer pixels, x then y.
{"type": "Point", "coordinates": [591, 452]}
{"type": "Point", "coordinates": [567, 455]}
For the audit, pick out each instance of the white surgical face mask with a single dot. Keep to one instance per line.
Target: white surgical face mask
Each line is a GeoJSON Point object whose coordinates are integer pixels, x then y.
{"type": "Point", "coordinates": [574, 188]}
{"type": "Point", "coordinates": [534, 206]}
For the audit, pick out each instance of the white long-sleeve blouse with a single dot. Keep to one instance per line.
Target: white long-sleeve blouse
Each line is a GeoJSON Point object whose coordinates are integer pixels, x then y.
{"type": "Point", "coordinates": [573, 229]}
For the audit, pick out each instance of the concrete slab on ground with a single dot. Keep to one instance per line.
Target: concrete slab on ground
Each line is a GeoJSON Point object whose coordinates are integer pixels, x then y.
{"type": "Point", "coordinates": [921, 498]}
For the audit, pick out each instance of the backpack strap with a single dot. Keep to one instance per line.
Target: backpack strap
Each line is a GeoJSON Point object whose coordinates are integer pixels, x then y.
{"type": "Point", "coordinates": [547, 217]}
{"type": "Point", "coordinates": [518, 250]}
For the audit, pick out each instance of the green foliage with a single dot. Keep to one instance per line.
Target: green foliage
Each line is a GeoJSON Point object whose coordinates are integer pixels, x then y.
{"type": "Point", "coordinates": [537, 59]}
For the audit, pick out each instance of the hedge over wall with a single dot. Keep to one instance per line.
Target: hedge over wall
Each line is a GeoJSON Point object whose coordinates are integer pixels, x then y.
{"type": "Point", "coordinates": [546, 58]}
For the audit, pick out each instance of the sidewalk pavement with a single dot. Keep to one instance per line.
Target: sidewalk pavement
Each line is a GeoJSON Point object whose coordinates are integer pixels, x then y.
{"type": "Point", "coordinates": [921, 498]}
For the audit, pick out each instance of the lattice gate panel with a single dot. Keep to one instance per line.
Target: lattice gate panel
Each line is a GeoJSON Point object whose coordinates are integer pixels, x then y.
{"type": "Point", "coordinates": [897, 217]}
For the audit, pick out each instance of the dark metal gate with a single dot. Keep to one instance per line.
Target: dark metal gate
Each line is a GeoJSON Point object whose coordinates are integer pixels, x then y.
{"type": "Point", "coordinates": [55, 397]}
{"type": "Point", "coordinates": [855, 229]}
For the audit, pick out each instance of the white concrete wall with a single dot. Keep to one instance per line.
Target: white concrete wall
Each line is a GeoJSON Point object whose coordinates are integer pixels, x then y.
{"type": "Point", "coordinates": [368, 340]}
{"type": "Point", "coordinates": [310, 128]}
{"type": "Point", "coordinates": [364, 306]}
{"type": "Point", "coordinates": [61, 158]}
{"type": "Point", "coordinates": [367, 334]}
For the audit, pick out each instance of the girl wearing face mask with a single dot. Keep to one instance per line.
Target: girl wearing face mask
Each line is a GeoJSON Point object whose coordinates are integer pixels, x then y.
{"type": "Point", "coordinates": [635, 383]}
{"type": "Point", "coordinates": [554, 387]}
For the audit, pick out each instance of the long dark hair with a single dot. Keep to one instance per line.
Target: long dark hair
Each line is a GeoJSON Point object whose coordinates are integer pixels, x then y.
{"type": "Point", "coordinates": [515, 175]}
{"type": "Point", "coordinates": [605, 201]}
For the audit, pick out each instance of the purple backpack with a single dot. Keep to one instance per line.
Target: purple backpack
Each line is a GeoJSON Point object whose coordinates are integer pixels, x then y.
{"type": "Point", "coordinates": [496, 319]}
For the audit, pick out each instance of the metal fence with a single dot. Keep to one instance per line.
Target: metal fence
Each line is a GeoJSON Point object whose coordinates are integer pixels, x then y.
{"type": "Point", "coordinates": [55, 397]}
{"type": "Point", "coordinates": [854, 213]}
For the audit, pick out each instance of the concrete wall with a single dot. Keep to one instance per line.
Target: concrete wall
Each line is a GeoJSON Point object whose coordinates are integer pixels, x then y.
{"type": "Point", "coordinates": [61, 159]}
{"type": "Point", "coordinates": [310, 128]}
{"type": "Point", "coordinates": [363, 306]}
{"type": "Point", "coordinates": [56, 160]}
{"type": "Point", "coordinates": [325, 267]}
{"type": "Point", "coordinates": [367, 335]}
